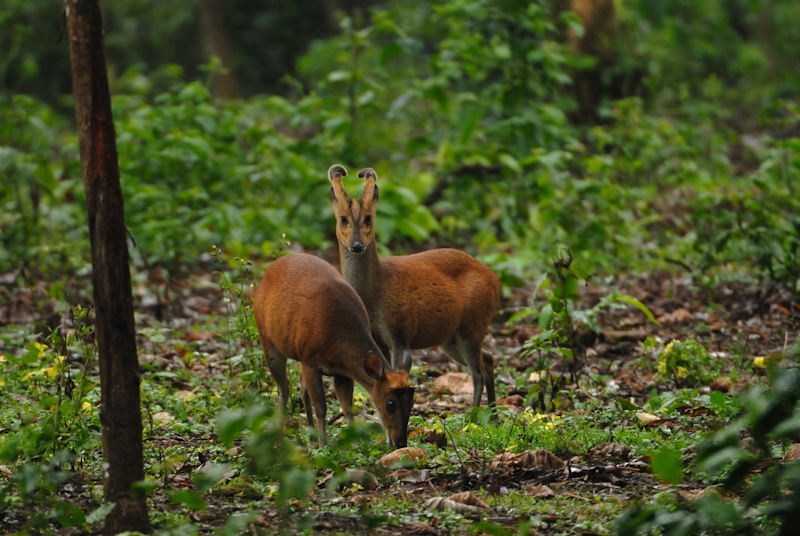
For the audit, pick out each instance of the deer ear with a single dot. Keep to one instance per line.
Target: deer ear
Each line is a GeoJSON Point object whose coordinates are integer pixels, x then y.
{"type": "Point", "coordinates": [373, 366]}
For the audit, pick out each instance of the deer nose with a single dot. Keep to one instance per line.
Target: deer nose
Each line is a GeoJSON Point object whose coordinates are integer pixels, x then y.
{"type": "Point", "coordinates": [401, 443]}
{"type": "Point", "coordinates": [356, 247]}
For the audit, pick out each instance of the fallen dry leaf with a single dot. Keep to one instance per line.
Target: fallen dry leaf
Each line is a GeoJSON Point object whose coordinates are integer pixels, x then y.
{"type": "Point", "coordinates": [436, 438]}
{"type": "Point", "coordinates": [611, 335]}
{"type": "Point", "coordinates": [458, 383]}
{"type": "Point", "coordinates": [681, 314]}
{"type": "Point", "coordinates": [647, 417]}
{"type": "Point", "coordinates": [365, 479]}
{"type": "Point", "coordinates": [513, 401]}
{"type": "Point", "coordinates": [418, 528]}
{"type": "Point", "coordinates": [198, 335]}
{"type": "Point", "coordinates": [540, 459]}
{"type": "Point", "coordinates": [615, 450]}
{"type": "Point", "coordinates": [162, 417]}
{"type": "Point", "coordinates": [441, 503]}
{"type": "Point", "coordinates": [543, 492]}
{"type": "Point", "coordinates": [792, 454]}
{"type": "Point", "coordinates": [410, 475]}
{"type": "Point", "coordinates": [722, 384]}
{"type": "Point", "coordinates": [408, 453]}
{"type": "Point", "coordinates": [503, 459]}
{"type": "Point", "coordinates": [235, 450]}
{"type": "Point", "coordinates": [691, 494]}
{"type": "Point", "coordinates": [467, 497]}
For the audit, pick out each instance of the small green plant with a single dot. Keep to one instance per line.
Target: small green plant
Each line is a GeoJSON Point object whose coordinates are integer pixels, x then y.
{"type": "Point", "coordinates": [244, 352]}
{"type": "Point", "coordinates": [561, 324]}
{"type": "Point", "coordinates": [686, 363]}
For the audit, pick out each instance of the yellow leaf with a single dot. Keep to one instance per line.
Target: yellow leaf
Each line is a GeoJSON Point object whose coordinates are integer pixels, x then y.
{"type": "Point", "coordinates": [647, 417]}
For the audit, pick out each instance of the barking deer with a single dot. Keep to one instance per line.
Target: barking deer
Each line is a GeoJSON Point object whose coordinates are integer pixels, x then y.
{"type": "Point", "coordinates": [306, 311]}
{"type": "Point", "coordinates": [442, 297]}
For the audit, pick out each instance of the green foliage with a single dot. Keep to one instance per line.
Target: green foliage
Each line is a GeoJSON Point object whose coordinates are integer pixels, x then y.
{"type": "Point", "coordinates": [740, 457]}
{"type": "Point", "coordinates": [561, 323]}
{"type": "Point", "coordinates": [759, 222]}
{"type": "Point", "coordinates": [35, 180]}
{"type": "Point", "coordinates": [687, 363]}
{"type": "Point", "coordinates": [744, 43]}
{"type": "Point", "coordinates": [462, 106]}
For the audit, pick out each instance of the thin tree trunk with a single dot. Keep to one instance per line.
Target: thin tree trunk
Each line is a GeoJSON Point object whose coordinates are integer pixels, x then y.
{"type": "Point", "coordinates": [216, 43]}
{"type": "Point", "coordinates": [120, 412]}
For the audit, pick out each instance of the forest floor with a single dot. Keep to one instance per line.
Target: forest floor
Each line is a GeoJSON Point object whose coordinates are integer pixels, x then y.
{"type": "Point", "coordinates": [570, 451]}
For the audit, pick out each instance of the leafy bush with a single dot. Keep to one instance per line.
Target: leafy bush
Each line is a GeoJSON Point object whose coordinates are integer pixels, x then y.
{"type": "Point", "coordinates": [741, 459]}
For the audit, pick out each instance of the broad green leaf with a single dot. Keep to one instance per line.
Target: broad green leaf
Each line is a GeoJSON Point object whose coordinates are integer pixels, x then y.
{"type": "Point", "coordinates": [297, 482]}
{"type": "Point", "coordinates": [473, 120]}
{"type": "Point", "coordinates": [510, 162]}
{"type": "Point", "coordinates": [666, 464]}
{"type": "Point", "coordinates": [209, 476]}
{"type": "Point", "coordinates": [99, 515]}
{"type": "Point", "coordinates": [411, 229]}
{"type": "Point", "coordinates": [718, 399]}
{"type": "Point", "coordinates": [789, 428]}
{"type": "Point", "coordinates": [69, 515]}
{"type": "Point", "coordinates": [516, 317]}
{"type": "Point", "coordinates": [718, 459]}
{"type": "Point", "coordinates": [229, 424]}
{"type": "Point", "coordinates": [546, 316]}
{"type": "Point", "coordinates": [625, 404]}
{"type": "Point", "coordinates": [389, 52]}
{"type": "Point", "coordinates": [338, 76]}
{"type": "Point", "coordinates": [400, 103]}
{"type": "Point", "coordinates": [639, 305]}
{"type": "Point", "coordinates": [189, 498]}
{"type": "Point", "coordinates": [579, 271]}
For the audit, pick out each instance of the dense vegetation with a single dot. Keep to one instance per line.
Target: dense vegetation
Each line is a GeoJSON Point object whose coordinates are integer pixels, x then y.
{"type": "Point", "coordinates": [472, 115]}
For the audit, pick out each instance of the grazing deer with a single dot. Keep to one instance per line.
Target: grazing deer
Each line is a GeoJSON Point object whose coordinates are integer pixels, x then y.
{"type": "Point", "coordinates": [442, 297]}
{"type": "Point", "coordinates": [306, 311]}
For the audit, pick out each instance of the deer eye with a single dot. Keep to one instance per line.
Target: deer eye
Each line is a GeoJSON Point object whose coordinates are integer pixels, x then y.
{"type": "Point", "coordinates": [343, 220]}
{"type": "Point", "coordinates": [391, 406]}
{"type": "Point", "coordinates": [368, 219]}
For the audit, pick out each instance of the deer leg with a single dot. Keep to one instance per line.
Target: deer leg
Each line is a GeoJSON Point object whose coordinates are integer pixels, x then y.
{"type": "Point", "coordinates": [344, 392]}
{"type": "Point", "coordinates": [276, 362]}
{"type": "Point", "coordinates": [488, 367]}
{"type": "Point", "coordinates": [307, 402]}
{"type": "Point", "coordinates": [462, 351]}
{"type": "Point", "coordinates": [315, 391]}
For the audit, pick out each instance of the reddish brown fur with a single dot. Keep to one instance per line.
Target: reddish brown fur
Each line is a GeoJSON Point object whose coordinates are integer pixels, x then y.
{"type": "Point", "coordinates": [306, 311]}
{"type": "Point", "coordinates": [439, 297]}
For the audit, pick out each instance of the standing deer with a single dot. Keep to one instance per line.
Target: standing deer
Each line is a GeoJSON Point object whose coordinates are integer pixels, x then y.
{"type": "Point", "coordinates": [306, 311]}
{"type": "Point", "coordinates": [442, 297]}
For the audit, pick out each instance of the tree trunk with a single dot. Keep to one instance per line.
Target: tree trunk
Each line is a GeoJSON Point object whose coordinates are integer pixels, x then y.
{"type": "Point", "coordinates": [120, 412]}
{"type": "Point", "coordinates": [216, 43]}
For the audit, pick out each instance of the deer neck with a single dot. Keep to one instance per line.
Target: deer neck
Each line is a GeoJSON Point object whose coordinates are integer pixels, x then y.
{"type": "Point", "coordinates": [363, 272]}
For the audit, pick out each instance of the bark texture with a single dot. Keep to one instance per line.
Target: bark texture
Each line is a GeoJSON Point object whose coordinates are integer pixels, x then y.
{"type": "Point", "coordinates": [216, 43]}
{"type": "Point", "coordinates": [120, 412]}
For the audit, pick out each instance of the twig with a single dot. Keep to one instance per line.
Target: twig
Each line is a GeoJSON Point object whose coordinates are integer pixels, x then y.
{"type": "Point", "coordinates": [679, 263]}
{"type": "Point", "coordinates": [452, 440]}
